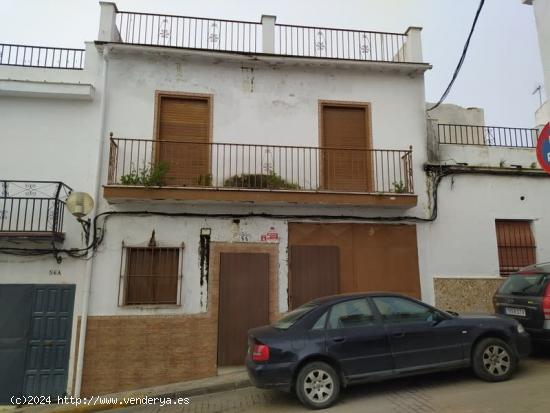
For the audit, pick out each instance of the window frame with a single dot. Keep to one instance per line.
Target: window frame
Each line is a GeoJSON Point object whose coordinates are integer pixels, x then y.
{"type": "Point", "coordinates": [442, 315]}
{"type": "Point", "coordinates": [513, 249]}
{"type": "Point", "coordinates": [124, 276]}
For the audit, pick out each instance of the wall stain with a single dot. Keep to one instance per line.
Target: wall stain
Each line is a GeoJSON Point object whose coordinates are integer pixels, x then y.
{"type": "Point", "coordinates": [204, 261]}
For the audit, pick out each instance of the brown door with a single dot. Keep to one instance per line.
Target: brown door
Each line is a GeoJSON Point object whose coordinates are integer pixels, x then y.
{"type": "Point", "coordinates": [344, 169]}
{"type": "Point", "coordinates": [386, 258]}
{"type": "Point", "coordinates": [244, 303]}
{"type": "Point", "coordinates": [184, 133]}
{"type": "Point", "coordinates": [314, 272]}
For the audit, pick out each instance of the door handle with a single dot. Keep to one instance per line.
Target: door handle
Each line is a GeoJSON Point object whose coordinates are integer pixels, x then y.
{"type": "Point", "coordinates": [401, 334]}
{"type": "Point", "coordinates": [339, 339]}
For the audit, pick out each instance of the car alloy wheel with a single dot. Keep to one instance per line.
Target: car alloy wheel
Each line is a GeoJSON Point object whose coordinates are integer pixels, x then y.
{"type": "Point", "coordinates": [496, 360]}
{"type": "Point", "coordinates": [318, 386]}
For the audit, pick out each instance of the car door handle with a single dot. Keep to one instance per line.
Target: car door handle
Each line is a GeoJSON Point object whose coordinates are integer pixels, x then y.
{"type": "Point", "coordinates": [339, 339]}
{"type": "Point", "coordinates": [401, 334]}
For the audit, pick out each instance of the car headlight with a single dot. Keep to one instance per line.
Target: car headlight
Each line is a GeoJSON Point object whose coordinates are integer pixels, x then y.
{"type": "Point", "coordinates": [520, 328]}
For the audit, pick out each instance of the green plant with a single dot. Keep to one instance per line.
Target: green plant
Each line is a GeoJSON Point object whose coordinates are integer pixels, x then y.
{"type": "Point", "coordinates": [148, 176]}
{"type": "Point", "coordinates": [259, 181]}
{"type": "Point", "coordinates": [502, 163]}
{"type": "Point", "coordinates": [399, 187]}
{"type": "Point", "coordinates": [534, 165]}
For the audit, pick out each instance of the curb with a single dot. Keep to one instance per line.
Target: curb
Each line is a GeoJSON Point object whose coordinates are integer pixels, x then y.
{"type": "Point", "coordinates": [193, 392]}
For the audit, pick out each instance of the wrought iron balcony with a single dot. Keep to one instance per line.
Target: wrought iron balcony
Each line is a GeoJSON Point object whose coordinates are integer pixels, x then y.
{"type": "Point", "coordinates": [41, 56]}
{"type": "Point", "coordinates": [252, 37]}
{"type": "Point", "coordinates": [331, 174]}
{"type": "Point", "coordinates": [32, 209]}
{"type": "Point", "coordinates": [487, 136]}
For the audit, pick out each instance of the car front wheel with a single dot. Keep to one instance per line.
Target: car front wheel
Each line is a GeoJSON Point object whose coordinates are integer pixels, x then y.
{"type": "Point", "coordinates": [317, 385]}
{"type": "Point", "coordinates": [494, 360]}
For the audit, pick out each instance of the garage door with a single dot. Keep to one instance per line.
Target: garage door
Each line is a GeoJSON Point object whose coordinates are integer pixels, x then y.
{"type": "Point", "coordinates": [373, 257]}
{"type": "Point", "coordinates": [314, 272]}
{"type": "Point", "coordinates": [35, 334]}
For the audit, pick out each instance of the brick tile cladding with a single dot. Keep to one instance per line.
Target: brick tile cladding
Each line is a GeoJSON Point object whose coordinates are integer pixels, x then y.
{"type": "Point", "coordinates": [132, 352]}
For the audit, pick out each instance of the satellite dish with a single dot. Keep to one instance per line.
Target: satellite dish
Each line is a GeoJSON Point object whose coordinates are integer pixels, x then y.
{"type": "Point", "coordinates": [80, 204]}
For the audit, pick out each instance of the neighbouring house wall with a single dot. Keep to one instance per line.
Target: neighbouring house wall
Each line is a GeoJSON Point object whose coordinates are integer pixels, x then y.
{"type": "Point", "coordinates": [49, 138]}
{"type": "Point", "coordinates": [457, 115]}
{"type": "Point", "coordinates": [461, 242]}
{"type": "Point", "coordinates": [542, 15]}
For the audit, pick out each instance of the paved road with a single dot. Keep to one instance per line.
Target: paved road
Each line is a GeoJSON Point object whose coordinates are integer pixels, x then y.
{"type": "Point", "coordinates": [449, 392]}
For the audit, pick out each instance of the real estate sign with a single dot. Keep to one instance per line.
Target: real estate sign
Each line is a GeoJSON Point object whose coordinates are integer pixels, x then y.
{"type": "Point", "coordinates": [543, 148]}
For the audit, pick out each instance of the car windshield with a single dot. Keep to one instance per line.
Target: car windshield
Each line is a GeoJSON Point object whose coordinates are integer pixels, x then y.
{"type": "Point", "coordinates": [532, 284]}
{"type": "Point", "coordinates": [291, 318]}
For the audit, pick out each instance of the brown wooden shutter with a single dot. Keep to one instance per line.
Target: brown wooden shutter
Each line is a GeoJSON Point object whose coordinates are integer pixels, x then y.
{"type": "Point", "coordinates": [185, 122]}
{"type": "Point", "coordinates": [516, 245]}
{"type": "Point", "coordinates": [151, 275]}
{"type": "Point", "coordinates": [346, 170]}
{"type": "Point", "coordinates": [314, 272]}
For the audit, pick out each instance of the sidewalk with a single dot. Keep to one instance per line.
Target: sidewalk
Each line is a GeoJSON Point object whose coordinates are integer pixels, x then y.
{"type": "Point", "coordinates": [232, 380]}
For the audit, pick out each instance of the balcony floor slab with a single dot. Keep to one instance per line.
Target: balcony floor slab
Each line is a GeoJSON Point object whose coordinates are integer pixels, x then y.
{"type": "Point", "coordinates": [122, 193]}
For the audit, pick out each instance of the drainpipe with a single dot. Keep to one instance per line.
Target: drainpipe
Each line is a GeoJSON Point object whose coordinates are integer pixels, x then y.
{"type": "Point", "coordinates": [90, 260]}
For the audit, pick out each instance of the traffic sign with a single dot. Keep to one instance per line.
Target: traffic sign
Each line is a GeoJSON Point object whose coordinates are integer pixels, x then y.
{"type": "Point", "coordinates": [543, 148]}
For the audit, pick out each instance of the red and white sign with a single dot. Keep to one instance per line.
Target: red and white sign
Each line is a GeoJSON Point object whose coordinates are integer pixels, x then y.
{"type": "Point", "coordinates": [270, 235]}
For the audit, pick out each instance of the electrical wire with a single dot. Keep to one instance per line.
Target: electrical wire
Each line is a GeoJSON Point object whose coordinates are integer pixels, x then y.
{"type": "Point", "coordinates": [98, 232]}
{"type": "Point", "coordinates": [462, 58]}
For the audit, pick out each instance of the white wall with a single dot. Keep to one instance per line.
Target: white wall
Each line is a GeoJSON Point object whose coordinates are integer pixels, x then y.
{"type": "Point", "coordinates": [462, 241]}
{"type": "Point", "coordinates": [253, 102]}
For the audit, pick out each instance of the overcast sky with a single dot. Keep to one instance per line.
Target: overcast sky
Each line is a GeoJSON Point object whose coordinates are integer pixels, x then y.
{"type": "Point", "coordinates": [501, 71]}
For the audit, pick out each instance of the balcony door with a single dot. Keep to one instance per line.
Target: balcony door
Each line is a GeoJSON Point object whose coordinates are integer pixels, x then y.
{"type": "Point", "coordinates": [346, 163]}
{"type": "Point", "coordinates": [183, 131]}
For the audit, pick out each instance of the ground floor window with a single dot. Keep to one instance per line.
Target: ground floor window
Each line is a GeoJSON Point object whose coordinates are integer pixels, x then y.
{"type": "Point", "coordinates": [150, 275]}
{"type": "Point", "coordinates": [516, 245]}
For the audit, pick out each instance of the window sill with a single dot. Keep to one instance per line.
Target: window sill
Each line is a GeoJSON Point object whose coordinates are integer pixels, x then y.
{"type": "Point", "coordinates": [150, 306]}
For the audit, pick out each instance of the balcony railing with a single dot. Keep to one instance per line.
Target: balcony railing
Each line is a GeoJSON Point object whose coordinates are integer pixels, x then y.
{"type": "Point", "coordinates": [235, 166]}
{"type": "Point", "coordinates": [40, 56]}
{"type": "Point", "coordinates": [189, 32]}
{"type": "Point", "coordinates": [248, 37]}
{"type": "Point", "coordinates": [32, 208]}
{"type": "Point", "coordinates": [331, 43]}
{"type": "Point", "coordinates": [487, 135]}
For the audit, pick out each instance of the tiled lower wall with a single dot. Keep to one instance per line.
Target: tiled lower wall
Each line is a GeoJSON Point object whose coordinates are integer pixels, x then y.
{"type": "Point", "coordinates": [124, 353]}
{"type": "Point", "coordinates": [465, 295]}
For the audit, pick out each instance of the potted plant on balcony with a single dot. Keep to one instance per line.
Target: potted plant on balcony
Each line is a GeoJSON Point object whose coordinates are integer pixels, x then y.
{"type": "Point", "coordinates": [153, 175]}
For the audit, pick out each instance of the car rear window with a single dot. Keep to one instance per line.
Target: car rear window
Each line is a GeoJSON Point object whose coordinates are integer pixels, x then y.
{"type": "Point", "coordinates": [291, 318]}
{"type": "Point", "coordinates": [532, 284]}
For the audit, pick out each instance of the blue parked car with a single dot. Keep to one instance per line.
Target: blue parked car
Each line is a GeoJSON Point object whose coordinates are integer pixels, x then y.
{"type": "Point", "coordinates": [336, 341]}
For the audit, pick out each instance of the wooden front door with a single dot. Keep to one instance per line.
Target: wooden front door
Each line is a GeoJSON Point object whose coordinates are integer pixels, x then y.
{"type": "Point", "coordinates": [183, 132]}
{"type": "Point", "coordinates": [244, 303]}
{"type": "Point", "coordinates": [314, 272]}
{"type": "Point", "coordinates": [345, 129]}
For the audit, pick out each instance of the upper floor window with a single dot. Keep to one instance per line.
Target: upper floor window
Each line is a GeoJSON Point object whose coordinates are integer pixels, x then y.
{"type": "Point", "coordinates": [516, 245]}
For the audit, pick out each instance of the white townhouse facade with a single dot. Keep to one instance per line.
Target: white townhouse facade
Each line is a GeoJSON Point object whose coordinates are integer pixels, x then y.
{"type": "Point", "coordinates": [239, 169]}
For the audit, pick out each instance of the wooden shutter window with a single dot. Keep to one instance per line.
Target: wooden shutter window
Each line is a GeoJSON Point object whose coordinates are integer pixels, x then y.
{"type": "Point", "coordinates": [516, 245]}
{"type": "Point", "coordinates": [152, 275]}
{"type": "Point", "coordinates": [183, 132]}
